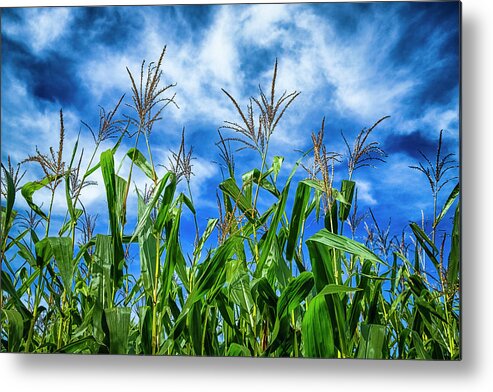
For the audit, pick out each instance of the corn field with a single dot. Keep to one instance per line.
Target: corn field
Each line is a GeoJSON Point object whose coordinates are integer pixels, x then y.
{"type": "Point", "coordinates": [255, 284]}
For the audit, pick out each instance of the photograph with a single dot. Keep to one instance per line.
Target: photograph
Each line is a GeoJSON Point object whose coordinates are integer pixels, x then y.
{"type": "Point", "coordinates": [232, 180]}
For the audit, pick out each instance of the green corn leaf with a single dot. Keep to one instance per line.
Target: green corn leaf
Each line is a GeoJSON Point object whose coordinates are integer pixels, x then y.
{"type": "Point", "coordinates": [103, 283]}
{"type": "Point", "coordinates": [150, 205]}
{"type": "Point", "coordinates": [9, 287]}
{"type": "Point", "coordinates": [141, 162]}
{"type": "Point", "coordinates": [301, 199]}
{"type": "Point", "coordinates": [211, 225]}
{"type": "Point", "coordinates": [266, 246]}
{"type": "Point", "coordinates": [337, 289]}
{"type": "Point", "coordinates": [454, 256]}
{"type": "Point", "coordinates": [255, 176]}
{"type": "Point", "coordinates": [14, 325]}
{"type": "Point", "coordinates": [426, 243]}
{"type": "Point", "coordinates": [356, 308]}
{"type": "Point", "coordinates": [113, 150]}
{"type": "Point", "coordinates": [319, 186]}
{"type": "Point", "coordinates": [186, 200]}
{"type": "Point", "coordinates": [276, 166]}
{"type": "Point", "coordinates": [450, 200]}
{"type": "Point", "coordinates": [347, 192]}
{"type": "Point", "coordinates": [86, 345]}
{"type": "Point", "coordinates": [330, 220]}
{"type": "Point", "coordinates": [62, 253]}
{"type": "Point", "coordinates": [173, 253]}
{"type": "Point", "coordinates": [118, 322]}
{"type": "Point", "coordinates": [6, 222]}
{"type": "Point", "coordinates": [421, 352]}
{"type": "Point", "coordinates": [238, 350]}
{"type": "Point", "coordinates": [166, 203]}
{"type": "Point", "coordinates": [344, 244]}
{"type": "Point", "coordinates": [59, 248]}
{"type": "Point", "coordinates": [210, 275]}
{"type": "Point", "coordinates": [230, 188]}
{"type": "Point", "coordinates": [239, 288]}
{"type": "Point", "coordinates": [321, 257]}
{"type": "Point", "coordinates": [77, 213]}
{"type": "Point", "coordinates": [195, 327]}
{"type": "Point", "coordinates": [112, 197]}
{"type": "Point", "coordinates": [263, 293]}
{"type": "Point", "coordinates": [294, 293]}
{"type": "Point", "coordinates": [372, 341]}
{"type": "Point", "coordinates": [28, 190]}
{"type": "Point", "coordinates": [147, 248]}
{"type": "Point", "coordinates": [317, 330]}
{"type": "Point", "coordinates": [213, 268]}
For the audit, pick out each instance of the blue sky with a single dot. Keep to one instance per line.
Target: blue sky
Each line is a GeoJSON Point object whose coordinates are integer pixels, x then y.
{"type": "Point", "coordinates": [353, 63]}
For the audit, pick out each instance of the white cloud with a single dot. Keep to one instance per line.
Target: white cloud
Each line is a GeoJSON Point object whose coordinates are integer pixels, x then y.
{"type": "Point", "coordinates": [41, 27]}
{"type": "Point", "coordinates": [352, 80]}
{"type": "Point", "coordinates": [261, 23]}
{"type": "Point", "coordinates": [204, 171]}
{"type": "Point", "coordinates": [438, 119]}
{"type": "Point", "coordinates": [365, 192]}
{"type": "Point", "coordinates": [398, 173]}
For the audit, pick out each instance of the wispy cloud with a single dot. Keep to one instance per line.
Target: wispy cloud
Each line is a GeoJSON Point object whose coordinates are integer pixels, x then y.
{"type": "Point", "coordinates": [39, 28]}
{"type": "Point", "coordinates": [353, 63]}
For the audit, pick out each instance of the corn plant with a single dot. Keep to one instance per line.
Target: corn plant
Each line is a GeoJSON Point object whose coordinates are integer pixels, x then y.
{"type": "Point", "coordinates": [265, 288]}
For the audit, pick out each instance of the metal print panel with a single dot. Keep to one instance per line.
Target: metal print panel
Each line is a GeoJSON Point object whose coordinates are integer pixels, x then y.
{"type": "Point", "coordinates": [232, 180]}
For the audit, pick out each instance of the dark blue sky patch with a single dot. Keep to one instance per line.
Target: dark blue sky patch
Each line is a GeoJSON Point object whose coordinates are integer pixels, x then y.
{"type": "Point", "coordinates": [196, 17]}
{"type": "Point", "coordinates": [53, 79]}
{"type": "Point", "coordinates": [108, 26]}
{"type": "Point", "coordinates": [13, 14]}
{"type": "Point", "coordinates": [346, 18]}
{"type": "Point", "coordinates": [413, 39]}
{"type": "Point", "coordinates": [256, 61]}
{"type": "Point", "coordinates": [435, 89]}
{"type": "Point", "coordinates": [411, 144]}
{"type": "Point", "coordinates": [15, 54]}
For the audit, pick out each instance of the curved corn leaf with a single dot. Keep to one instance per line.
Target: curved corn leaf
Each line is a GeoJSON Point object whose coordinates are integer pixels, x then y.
{"type": "Point", "coordinates": [150, 205]}
{"type": "Point", "coordinates": [454, 256]}
{"type": "Point", "coordinates": [230, 188]}
{"type": "Point", "coordinates": [317, 331]}
{"type": "Point", "coordinates": [147, 248]}
{"type": "Point", "coordinates": [173, 254]}
{"type": "Point", "coordinates": [87, 345]}
{"type": "Point", "coordinates": [238, 350]}
{"type": "Point", "coordinates": [344, 244]}
{"type": "Point", "coordinates": [118, 322]}
{"type": "Point", "coordinates": [300, 203]}
{"type": "Point", "coordinates": [141, 162]}
{"type": "Point", "coordinates": [14, 327]}
{"type": "Point", "coordinates": [294, 293]}
{"type": "Point", "coordinates": [263, 294]}
{"type": "Point", "coordinates": [59, 248]}
{"type": "Point", "coordinates": [347, 192]}
{"type": "Point", "coordinates": [7, 214]}
{"type": "Point", "coordinates": [28, 190]}
{"type": "Point", "coordinates": [372, 341]}
{"type": "Point", "coordinates": [337, 289]}
{"type": "Point", "coordinates": [266, 245]}
{"type": "Point", "coordinates": [427, 244]}
{"type": "Point", "coordinates": [450, 200]}
{"type": "Point", "coordinates": [112, 198]}
{"type": "Point", "coordinates": [276, 166]}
